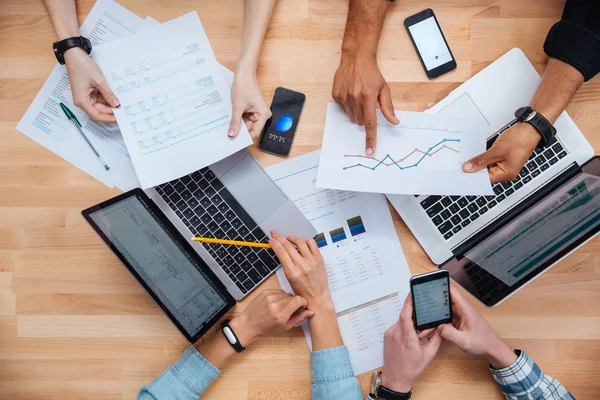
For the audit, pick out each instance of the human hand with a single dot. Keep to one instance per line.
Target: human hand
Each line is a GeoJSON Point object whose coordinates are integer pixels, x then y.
{"type": "Point", "coordinates": [248, 105]}
{"type": "Point", "coordinates": [88, 86]}
{"type": "Point", "coordinates": [304, 269]}
{"type": "Point", "coordinates": [358, 86]}
{"type": "Point", "coordinates": [405, 357]}
{"type": "Point", "coordinates": [470, 331]}
{"type": "Point", "coordinates": [508, 154]}
{"type": "Point", "coordinates": [270, 311]}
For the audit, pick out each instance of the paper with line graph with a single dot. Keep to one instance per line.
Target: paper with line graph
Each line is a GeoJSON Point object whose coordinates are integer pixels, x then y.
{"type": "Point", "coordinates": [175, 104]}
{"type": "Point", "coordinates": [422, 155]}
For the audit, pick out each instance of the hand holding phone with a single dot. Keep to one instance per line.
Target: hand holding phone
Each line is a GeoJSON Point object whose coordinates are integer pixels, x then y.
{"type": "Point", "coordinates": [471, 333]}
{"type": "Point", "coordinates": [279, 131]}
{"type": "Point", "coordinates": [405, 356]}
{"type": "Point", "coordinates": [431, 299]}
{"type": "Point", "coordinates": [430, 43]}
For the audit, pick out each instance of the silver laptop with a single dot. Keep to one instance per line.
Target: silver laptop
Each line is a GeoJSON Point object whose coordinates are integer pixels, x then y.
{"type": "Point", "coordinates": [492, 245]}
{"type": "Point", "coordinates": [232, 199]}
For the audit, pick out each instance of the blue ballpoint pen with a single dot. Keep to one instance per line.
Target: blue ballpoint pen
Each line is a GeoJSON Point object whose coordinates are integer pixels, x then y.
{"type": "Point", "coordinates": [73, 119]}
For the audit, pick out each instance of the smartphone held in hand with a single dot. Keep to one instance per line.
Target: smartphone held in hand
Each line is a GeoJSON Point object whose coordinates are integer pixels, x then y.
{"type": "Point", "coordinates": [431, 299]}
{"type": "Point", "coordinates": [279, 131]}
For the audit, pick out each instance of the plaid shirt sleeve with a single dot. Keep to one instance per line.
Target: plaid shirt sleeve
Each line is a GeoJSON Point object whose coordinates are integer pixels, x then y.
{"type": "Point", "coordinates": [524, 380]}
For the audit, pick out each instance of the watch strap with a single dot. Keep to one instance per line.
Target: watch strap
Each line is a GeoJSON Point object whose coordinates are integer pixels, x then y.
{"type": "Point", "coordinates": [546, 130]}
{"type": "Point", "coordinates": [62, 46]}
{"type": "Point", "coordinates": [389, 394]}
{"type": "Point", "coordinates": [231, 336]}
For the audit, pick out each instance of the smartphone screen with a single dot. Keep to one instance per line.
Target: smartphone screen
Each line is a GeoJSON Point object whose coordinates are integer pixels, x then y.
{"type": "Point", "coordinates": [430, 43]}
{"type": "Point", "coordinates": [431, 299]}
{"type": "Point", "coordinates": [279, 130]}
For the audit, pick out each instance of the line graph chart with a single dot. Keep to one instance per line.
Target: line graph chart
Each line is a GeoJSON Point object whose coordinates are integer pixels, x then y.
{"type": "Point", "coordinates": [424, 154]}
{"type": "Point", "coordinates": [431, 151]}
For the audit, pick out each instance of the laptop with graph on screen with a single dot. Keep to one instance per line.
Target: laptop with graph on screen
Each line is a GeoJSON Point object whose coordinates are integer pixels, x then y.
{"type": "Point", "coordinates": [495, 244]}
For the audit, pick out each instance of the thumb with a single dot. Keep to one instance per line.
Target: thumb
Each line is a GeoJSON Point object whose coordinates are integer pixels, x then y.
{"type": "Point", "coordinates": [386, 105]}
{"type": "Point", "coordinates": [108, 95]}
{"type": "Point", "coordinates": [236, 120]}
{"type": "Point", "coordinates": [453, 335]}
{"type": "Point", "coordinates": [298, 318]}
{"type": "Point", "coordinates": [482, 161]}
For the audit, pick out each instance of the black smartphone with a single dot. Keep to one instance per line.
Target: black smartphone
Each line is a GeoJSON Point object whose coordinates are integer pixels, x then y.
{"type": "Point", "coordinates": [431, 299]}
{"type": "Point", "coordinates": [430, 43]}
{"type": "Point", "coordinates": [279, 130]}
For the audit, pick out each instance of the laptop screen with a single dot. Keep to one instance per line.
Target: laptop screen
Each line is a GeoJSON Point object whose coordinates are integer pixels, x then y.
{"type": "Point", "coordinates": [160, 262]}
{"type": "Point", "coordinates": [534, 240]}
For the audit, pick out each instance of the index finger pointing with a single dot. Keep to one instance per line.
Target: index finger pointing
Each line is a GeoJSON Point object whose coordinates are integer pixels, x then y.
{"type": "Point", "coordinates": [371, 128]}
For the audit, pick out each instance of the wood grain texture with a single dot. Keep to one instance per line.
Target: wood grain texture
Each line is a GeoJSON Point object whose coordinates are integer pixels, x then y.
{"type": "Point", "coordinates": [75, 324]}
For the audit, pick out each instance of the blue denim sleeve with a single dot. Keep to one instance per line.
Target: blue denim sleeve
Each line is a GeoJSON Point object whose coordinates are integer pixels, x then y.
{"type": "Point", "coordinates": [332, 376]}
{"type": "Point", "coordinates": [187, 379]}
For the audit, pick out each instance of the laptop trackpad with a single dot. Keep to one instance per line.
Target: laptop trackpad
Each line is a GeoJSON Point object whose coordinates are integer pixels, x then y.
{"type": "Point", "coordinates": [255, 191]}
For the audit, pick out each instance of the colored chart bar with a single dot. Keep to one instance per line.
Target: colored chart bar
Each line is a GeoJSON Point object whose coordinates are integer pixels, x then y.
{"type": "Point", "coordinates": [356, 225]}
{"type": "Point", "coordinates": [337, 235]}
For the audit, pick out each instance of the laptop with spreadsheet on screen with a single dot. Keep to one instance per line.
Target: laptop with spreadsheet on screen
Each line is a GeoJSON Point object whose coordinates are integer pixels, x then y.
{"type": "Point", "coordinates": [195, 284]}
{"type": "Point", "coordinates": [494, 245]}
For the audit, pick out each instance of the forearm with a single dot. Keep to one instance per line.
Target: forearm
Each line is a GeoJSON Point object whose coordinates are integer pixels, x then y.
{"type": "Point", "coordinates": [524, 379]}
{"type": "Point", "coordinates": [324, 329]}
{"type": "Point", "coordinates": [257, 14]}
{"type": "Point", "coordinates": [363, 28]}
{"type": "Point", "coordinates": [64, 17]}
{"type": "Point", "coordinates": [559, 84]}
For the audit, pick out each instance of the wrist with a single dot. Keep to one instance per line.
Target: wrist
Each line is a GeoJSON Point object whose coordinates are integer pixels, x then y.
{"type": "Point", "coordinates": [500, 355]}
{"type": "Point", "coordinates": [244, 330]}
{"type": "Point", "coordinates": [321, 305]}
{"type": "Point", "coordinates": [74, 53]}
{"type": "Point", "coordinates": [529, 135]}
{"type": "Point", "coordinates": [353, 55]}
{"type": "Point", "coordinates": [396, 384]}
{"type": "Point", "coordinates": [246, 67]}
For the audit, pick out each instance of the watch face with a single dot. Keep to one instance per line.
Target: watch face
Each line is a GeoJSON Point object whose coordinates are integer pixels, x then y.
{"type": "Point", "coordinates": [522, 112]}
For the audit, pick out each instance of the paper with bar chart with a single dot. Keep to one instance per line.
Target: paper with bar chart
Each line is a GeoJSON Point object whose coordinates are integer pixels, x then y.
{"type": "Point", "coordinates": [176, 105]}
{"type": "Point", "coordinates": [356, 236]}
{"type": "Point", "coordinates": [422, 155]}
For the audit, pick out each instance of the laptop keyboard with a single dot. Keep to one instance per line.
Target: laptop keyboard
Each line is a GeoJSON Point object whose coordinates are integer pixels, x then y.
{"type": "Point", "coordinates": [450, 214]}
{"type": "Point", "coordinates": [208, 209]}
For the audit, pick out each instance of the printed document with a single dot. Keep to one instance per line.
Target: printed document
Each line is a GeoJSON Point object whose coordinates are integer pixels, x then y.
{"type": "Point", "coordinates": [422, 155]}
{"type": "Point", "coordinates": [363, 257]}
{"type": "Point", "coordinates": [366, 268]}
{"type": "Point", "coordinates": [46, 123]}
{"type": "Point", "coordinates": [175, 104]}
{"type": "Point", "coordinates": [362, 329]}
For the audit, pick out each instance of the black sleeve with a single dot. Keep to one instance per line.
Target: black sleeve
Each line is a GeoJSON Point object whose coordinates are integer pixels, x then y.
{"type": "Point", "coordinates": [575, 39]}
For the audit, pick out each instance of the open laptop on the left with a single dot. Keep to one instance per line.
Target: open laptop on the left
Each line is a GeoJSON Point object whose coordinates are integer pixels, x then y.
{"type": "Point", "coordinates": [177, 277]}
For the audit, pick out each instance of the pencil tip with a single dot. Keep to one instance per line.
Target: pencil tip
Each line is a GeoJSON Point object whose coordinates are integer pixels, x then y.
{"type": "Point", "coordinates": [106, 167]}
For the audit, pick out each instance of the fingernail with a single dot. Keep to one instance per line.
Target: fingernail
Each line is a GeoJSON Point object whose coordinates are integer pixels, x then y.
{"type": "Point", "coordinates": [369, 151]}
{"type": "Point", "coordinates": [396, 119]}
{"type": "Point", "coordinates": [467, 166]}
{"type": "Point", "coordinates": [116, 103]}
{"type": "Point", "coordinates": [272, 232]}
{"type": "Point", "coordinates": [231, 133]}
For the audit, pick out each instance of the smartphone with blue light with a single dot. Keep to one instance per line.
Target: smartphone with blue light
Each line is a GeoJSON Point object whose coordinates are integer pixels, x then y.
{"type": "Point", "coordinates": [279, 131]}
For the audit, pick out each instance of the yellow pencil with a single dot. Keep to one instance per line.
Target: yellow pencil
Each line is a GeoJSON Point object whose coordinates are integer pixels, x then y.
{"type": "Point", "coordinates": [231, 242]}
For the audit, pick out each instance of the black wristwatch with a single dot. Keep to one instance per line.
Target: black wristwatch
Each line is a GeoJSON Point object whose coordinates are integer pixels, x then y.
{"type": "Point", "coordinates": [61, 46]}
{"type": "Point", "coordinates": [378, 391]}
{"type": "Point", "coordinates": [541, 124]}
{"type": "Point", "coordinates": [231, 336]}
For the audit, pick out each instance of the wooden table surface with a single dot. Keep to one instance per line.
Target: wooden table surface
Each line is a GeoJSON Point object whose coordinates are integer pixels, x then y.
{"type": "Point", "coordinates": [75, 324]}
